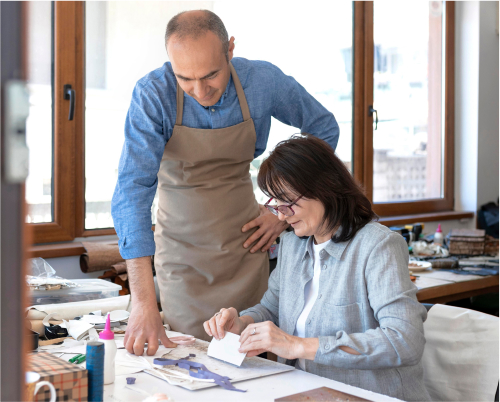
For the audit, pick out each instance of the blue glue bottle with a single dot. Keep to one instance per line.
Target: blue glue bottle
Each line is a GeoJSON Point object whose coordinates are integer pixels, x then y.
{"type": "Point", "coordinates": [108, 338]}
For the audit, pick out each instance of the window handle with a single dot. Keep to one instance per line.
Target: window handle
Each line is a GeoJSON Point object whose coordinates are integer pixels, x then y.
{"type": "Point", "coordinates": [371, 110]}
{"type": "Point", "coordinates": [70, 94]}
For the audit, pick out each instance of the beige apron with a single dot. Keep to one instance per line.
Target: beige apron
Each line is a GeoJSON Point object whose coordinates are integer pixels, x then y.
{"type": "Point", "coordinates": [205, 197]}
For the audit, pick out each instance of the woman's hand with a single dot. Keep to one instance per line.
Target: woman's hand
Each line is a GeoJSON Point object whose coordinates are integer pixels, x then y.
{"type": "Point", "coordinates": [267, 337]}
{"type": "Point", "coordinates": [224, 320]}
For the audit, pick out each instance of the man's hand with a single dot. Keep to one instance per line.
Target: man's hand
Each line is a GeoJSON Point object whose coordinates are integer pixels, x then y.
{"type": "Point", "coordinates": [145, 325]}
{"type": "Point", "coordinates": [270, 227]}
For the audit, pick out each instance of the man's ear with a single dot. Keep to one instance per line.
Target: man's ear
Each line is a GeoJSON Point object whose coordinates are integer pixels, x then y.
{"type": "Point", "coordinates": [230, 49]}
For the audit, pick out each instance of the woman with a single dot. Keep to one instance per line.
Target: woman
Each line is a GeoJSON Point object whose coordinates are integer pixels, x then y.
{"type": "Point", "coordinates": [340, 302]}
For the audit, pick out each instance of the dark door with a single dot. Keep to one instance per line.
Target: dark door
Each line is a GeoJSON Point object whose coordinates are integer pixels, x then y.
{"type": "Point", "coordinates": [12, 259]}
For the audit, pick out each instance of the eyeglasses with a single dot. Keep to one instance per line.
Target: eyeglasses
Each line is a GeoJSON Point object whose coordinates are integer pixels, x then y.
{"type": "Point", "coordinates": [284, 209]}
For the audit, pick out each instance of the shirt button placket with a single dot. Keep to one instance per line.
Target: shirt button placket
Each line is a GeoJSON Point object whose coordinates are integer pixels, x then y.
{"type": "Point", "coordinates": [212, 117]}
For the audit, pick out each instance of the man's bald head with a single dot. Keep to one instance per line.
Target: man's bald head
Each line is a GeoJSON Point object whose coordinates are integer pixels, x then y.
{"type": "Point", "coordinates": [193, 24]}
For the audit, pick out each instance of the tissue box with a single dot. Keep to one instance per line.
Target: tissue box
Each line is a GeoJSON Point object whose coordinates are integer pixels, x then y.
{"type": "Point", "coordinates": [69, 380]}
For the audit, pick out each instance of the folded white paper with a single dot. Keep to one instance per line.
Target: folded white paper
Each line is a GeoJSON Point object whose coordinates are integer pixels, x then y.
{"type": "Point", "coordinates": [78, 329]}
{"type": "Point", "coordinates": [126, 363]}
{"type": "Point", "coordinates": [114, 316]}
{"type": "Point", "coordinates": [94, 319]}
{"type": "Point", "coordinates": [227, 349]}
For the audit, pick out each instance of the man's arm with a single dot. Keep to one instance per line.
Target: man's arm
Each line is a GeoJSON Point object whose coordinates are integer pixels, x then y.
{"type": "Point", "coordinates": [137, 174]}
{"type": "Point", "coordinates": [294, 106]}
{"type": "Point", "coordinates": [144, 324]}
{"type": "Point", "coordinates": [131, 211]}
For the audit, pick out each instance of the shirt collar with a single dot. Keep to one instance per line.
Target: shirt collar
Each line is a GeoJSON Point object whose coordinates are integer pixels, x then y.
{"type": "Point", "coordinates": [334, 249]}
{"type": "Point", "coordinates": [224, 95]}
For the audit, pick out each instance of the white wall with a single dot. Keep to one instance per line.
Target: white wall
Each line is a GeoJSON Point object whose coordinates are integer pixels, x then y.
{"type": "Point", "coordinates": [69, 268]}
{"type": "Point", "coordinates": [476, 105]}
{"type": "Point", "coordinates": [466, 104]}
{"type": "Point", "coordinates": [487, 183]}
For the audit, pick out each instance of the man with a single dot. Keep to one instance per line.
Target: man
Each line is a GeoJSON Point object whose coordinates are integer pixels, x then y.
{"type": "Point", "coordinates": [193, 127]}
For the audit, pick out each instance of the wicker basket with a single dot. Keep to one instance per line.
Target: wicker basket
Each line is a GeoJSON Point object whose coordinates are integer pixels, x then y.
{"type": "Point", "coordinates": [491, 245]}
{"type": "Point", "coordinates": [467, 241]}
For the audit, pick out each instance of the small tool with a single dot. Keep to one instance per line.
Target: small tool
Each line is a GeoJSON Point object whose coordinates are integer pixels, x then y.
{"type": "Point", "coordinates": [78, 359]}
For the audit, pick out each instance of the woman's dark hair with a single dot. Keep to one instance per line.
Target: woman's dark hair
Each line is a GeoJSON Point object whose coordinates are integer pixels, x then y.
{"type": "Point", "coordinates": [308, 167]}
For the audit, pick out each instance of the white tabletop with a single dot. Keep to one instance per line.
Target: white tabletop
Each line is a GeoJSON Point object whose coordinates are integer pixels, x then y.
{"type": "Point", "coordinates": [261, 389]}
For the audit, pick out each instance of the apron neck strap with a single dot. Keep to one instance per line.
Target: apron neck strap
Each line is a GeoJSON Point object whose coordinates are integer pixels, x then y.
{"type": "Point", "coordinates": [245, 111]}
{"type": "Point", "coordinates": [180, 105]}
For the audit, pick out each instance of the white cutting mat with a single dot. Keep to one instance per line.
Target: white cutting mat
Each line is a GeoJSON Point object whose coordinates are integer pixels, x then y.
{"type": "Point", "coordinates": [252, 367]}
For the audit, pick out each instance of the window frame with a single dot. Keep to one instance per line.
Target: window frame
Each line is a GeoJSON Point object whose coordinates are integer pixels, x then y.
{"type": "Point", "coordinates": [363, 121]}
{"type": "Point", "coordinates": [68, 195]}
{"type": "Point", "coordinates": [67, 70]}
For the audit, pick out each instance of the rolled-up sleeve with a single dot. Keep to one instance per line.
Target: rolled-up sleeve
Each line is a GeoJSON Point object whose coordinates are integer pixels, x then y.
{"type": "Point", "coordinates": [294, 106]}
{"type": "Point", "coordinates": [399, 340]}
{"type": "Point", "coordinates": [137, 174]}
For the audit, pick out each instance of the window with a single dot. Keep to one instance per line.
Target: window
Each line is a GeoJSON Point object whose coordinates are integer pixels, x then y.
{"type": "Point", "coordinates": [112, 30]}
{"type": "Point", "coordinates": [407, 93]}
{"type": "Point", "coordinates": [103, 48]}
{"type": "Point", "coordinates": [53, 59]}
{"type": "Point", "coordinates": [405, 162]}
{"type": "Point", "coordinates": [289, 41]}
{"type": "Point", "coordinates": [109, 86]}
{"type": "Point", "coordinates": [39, 123]}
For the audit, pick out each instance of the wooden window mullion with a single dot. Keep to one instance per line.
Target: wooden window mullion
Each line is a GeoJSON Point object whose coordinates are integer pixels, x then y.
{"type": "Point", "coordinates": [449, 115]}
{"type": "Point", "coordinates": [363, 95]}
{"type": "Point", "coordinates": [358, 121]}
{"type": "Point", "coordinates": [80, 121]}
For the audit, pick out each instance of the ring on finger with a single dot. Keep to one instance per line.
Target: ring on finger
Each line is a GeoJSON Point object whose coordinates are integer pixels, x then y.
{"type": "Point", "coordinates": [216, 314]}
{"type": "Point", "coordinates": [254, 331]}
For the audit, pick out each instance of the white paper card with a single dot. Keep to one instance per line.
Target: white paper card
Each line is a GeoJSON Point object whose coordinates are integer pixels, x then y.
{"type": "Point", "coordinates": [94, 319]}
{"type": "Point", "coordinates": [227, 349]}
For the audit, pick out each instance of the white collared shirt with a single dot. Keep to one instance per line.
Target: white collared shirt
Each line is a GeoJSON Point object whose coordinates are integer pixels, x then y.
{"type": "Point", "coordinates": [310, 295]}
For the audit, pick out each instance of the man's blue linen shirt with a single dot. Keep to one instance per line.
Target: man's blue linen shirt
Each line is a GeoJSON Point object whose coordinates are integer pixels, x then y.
{"type": "Point", "coordinates": [151, 118]}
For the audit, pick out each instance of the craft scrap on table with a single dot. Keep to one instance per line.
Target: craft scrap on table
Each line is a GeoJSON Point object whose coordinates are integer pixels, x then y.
{"type": "Point", "coordinates": [252, 367]}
